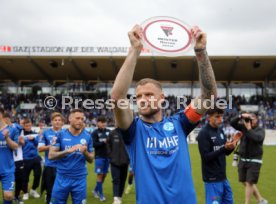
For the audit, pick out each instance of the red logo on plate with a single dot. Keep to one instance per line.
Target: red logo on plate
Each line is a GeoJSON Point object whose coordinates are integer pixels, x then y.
{"type": "Point", "coordinates": [167, 30]}
{"type": "Point", "coordinates": [5, 49]}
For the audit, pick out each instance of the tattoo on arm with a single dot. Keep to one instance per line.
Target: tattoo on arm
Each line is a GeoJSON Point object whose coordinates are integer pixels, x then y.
{"type": "Point", "coordinates": [206, 75]}
{"type": "Point", "coordinates": [54, 153]}
{"type": "Point", "coordinates": [207, 82]}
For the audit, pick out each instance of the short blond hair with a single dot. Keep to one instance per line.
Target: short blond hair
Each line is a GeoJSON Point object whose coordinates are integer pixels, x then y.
{"type": "Point", "coordinates": [56, 114]}
{"type": "Point", "coordinates": [147, 81]}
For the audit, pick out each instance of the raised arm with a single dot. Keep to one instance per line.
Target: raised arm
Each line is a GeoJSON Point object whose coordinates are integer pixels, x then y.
{"type": "Point", "coordinates": [124, 116]}
{"type": "Point", "coordinates": [206, 75]}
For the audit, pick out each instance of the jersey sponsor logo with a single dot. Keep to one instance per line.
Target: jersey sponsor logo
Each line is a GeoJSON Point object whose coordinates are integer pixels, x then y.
{"type": "Point", "coordinates": [216, 148]}
{"type": "Point", "coordinates": [3, 144]}
{"type": "Point", "coordinates": [83, 141]}
{"type": "Point", "coordinates": [164, 146]}
{"type": "Point", "coordinates": [54, 140]}
{"type": "Point", "coordinates": [168, 126]}
{"type": "Point", "coordinates": [102, 139]}
{"type": "Point", "coordinates": [213, 138]}
{"type": "Point", "coordinates": [67, 139]}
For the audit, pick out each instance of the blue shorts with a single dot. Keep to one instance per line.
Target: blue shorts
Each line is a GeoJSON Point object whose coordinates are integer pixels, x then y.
{"type": "Point", "coordinates": [218, 192]}
{"type": "Point", "coordinates": [101, 165]}
{"type": "Point", "coordinates": [64, 185]}
{"type": "Point", "coordinates": [7, 180]}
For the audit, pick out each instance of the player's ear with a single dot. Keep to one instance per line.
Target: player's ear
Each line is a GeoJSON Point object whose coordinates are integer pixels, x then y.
{"type": "Point", "coordinates": [70, 117]}
{"type": "Point", "coordinates": [162, 95]}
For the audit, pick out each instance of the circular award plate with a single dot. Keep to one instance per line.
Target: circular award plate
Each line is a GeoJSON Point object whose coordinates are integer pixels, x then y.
{"type": "Point", "coordinates": [166, 36]}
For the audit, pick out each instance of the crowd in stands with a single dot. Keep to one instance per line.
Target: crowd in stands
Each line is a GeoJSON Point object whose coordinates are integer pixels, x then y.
{"type": "Point", "coordinates": [40, 114]}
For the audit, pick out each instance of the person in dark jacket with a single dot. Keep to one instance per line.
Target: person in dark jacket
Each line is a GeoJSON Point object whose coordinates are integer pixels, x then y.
{"type": "Point", "coordinates": [102, 160]}
{"type": "Point", "coordinates": [213, 147]}
{"type": "Point", "coordinates": [119, 161]}
{"type": "Point", "coordinates": [250, 152]}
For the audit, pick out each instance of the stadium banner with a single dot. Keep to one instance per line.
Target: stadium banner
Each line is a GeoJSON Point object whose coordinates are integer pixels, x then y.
{"type": "Point", "coordinates": [8, 50]}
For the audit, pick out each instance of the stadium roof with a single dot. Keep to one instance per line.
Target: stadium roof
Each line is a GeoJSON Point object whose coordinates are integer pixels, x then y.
{"type": "Point", "coordinates": [104, 68]}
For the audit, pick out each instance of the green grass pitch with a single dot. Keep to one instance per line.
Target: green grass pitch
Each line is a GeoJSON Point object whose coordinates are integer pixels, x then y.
{"type": "Point", "coordinates": [266, 183]}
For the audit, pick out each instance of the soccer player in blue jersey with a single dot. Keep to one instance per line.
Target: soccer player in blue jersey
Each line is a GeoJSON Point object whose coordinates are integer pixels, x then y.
{"type": "Point", "coordinates": [8, 143]}
{"type": "Point", "coordinates": [17, 157]}
{"type": "Point", "coordinates": [102, 159]}
{"type": "Point", "coordinates": [71, 148]}
{"type": "Point", "coordinates": [32, 160]}
{"type": "Point", "coordinates": [49, 172]}
{"type": "Point", "coordinates": [158, 145]}
{"type": "Point", "coordinates": [213, 147]}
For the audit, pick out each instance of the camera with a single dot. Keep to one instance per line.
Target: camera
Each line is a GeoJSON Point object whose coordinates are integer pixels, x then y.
{"type": "Point", "coordinates": [247, 120]}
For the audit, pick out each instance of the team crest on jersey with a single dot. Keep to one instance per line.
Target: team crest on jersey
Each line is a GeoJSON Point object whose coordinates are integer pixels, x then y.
{"type": "Point", "coordinates": [83, 141]}
{"type": "Point", "coordinates": [54, 140]}
{"type": "Point", "coordinates": [221, 136]}
{"type": "Point", "coordinates": [168, 126]}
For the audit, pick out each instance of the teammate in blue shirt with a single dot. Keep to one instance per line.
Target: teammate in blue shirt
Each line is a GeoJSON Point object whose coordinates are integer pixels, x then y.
{"type": "Point", "coordinates": [49, 172]}
{"type": "Point", "coordinates": [71, 148]}
{"type": "Point", "coordinates": [8, 143]}
{"type": "Point", "coordinates": [17, 157]}
{"type": "Point", "coordinates": [102, 160]}
{"type": "Point", "coordinates": [157, 145]}
{"type": "Point", "coordinates": [32, 161]}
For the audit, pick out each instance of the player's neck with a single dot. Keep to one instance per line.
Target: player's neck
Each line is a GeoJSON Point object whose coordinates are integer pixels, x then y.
{"type": "Point", "coordinates": [157, 117]}
{"type": "Point", "coordinates": [2, 124]}
{"type": "Point", "coordinates": [74, 131]}
{"type": "Point", "coordinates": [213, 125]}
{"type": "Point", "coordinates": [55, 129]}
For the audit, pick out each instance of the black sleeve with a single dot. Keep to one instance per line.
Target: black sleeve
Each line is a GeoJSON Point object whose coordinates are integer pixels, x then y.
{"type": "Point", "coordinates": [228, 152]}
{"type": "Point", "coordinates": [235, 123]}
{"type": "Point", "coordinates": [96, 142]}
{"type": "Point", "coordinates": [255, 135]}
{"type": "Point", "coordinates": [206, 149]}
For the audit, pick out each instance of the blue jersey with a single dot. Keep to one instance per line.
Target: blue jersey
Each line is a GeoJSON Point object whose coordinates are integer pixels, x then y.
{"type": "Point", "coordinates": [30, 146]}
{"type": "Point", "coordinates": [160, 158]}
{"type": "Point", "coordinates": [17, 128]}
{"type": "Point", "coordinates": [45, 140]}
{"type": "Point", "coordinates": [72, 165]}
{"type": "Point", "coordinates": [6, 153]}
